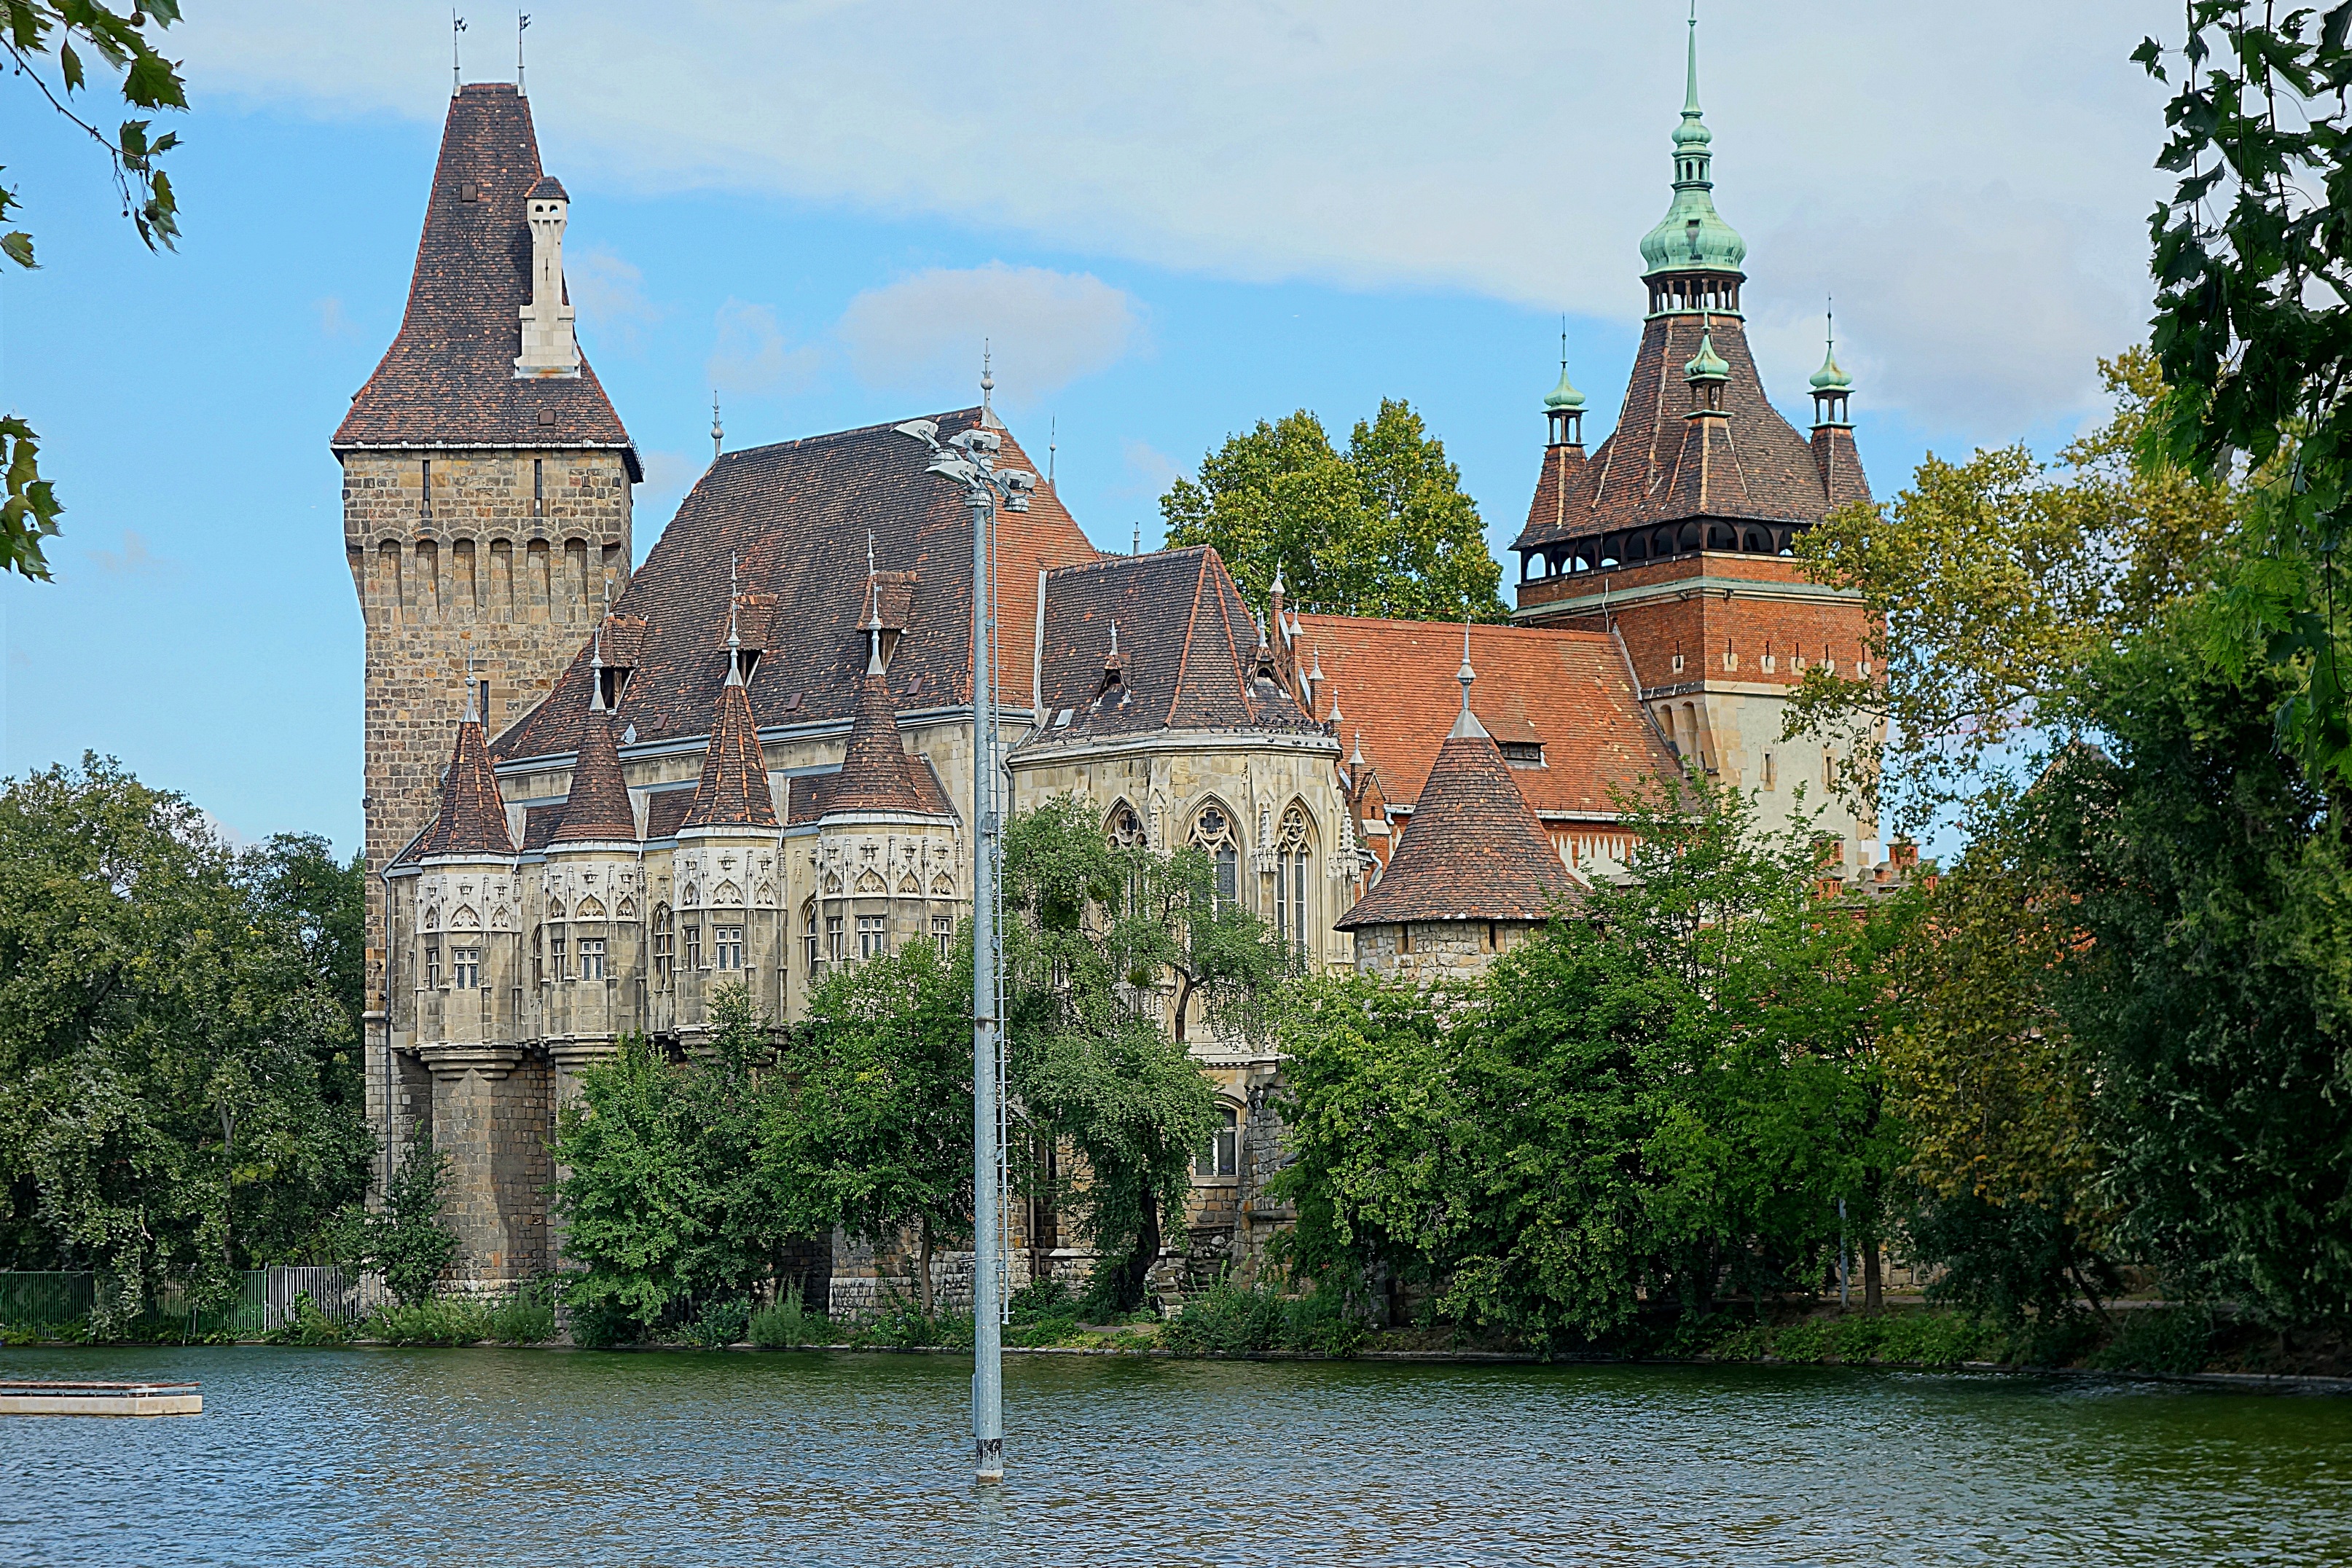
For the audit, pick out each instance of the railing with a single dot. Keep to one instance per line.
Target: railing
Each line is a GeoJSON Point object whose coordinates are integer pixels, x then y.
{"type": "Point", "coordinates": [262, 1298]}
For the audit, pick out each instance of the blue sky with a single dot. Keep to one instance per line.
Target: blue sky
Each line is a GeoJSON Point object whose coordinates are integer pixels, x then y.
{"type": "Point", "coordinates": [1173, 221]}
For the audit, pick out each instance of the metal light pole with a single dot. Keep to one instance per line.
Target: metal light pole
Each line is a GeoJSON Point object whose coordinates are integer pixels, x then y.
{"type": "Point", "coordinates": [969, 460]}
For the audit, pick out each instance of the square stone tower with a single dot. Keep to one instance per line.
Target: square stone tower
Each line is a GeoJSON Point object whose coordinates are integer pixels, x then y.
{"type": "Point", "coordinates": [486, 488]}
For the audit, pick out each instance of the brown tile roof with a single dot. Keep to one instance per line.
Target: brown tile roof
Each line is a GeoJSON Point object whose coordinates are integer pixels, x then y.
{"type": "Point", "coordinates": [733, 789]}
{"type": "Point", "coordinates": [796, 515]}
{"type": "Point", "coordinates": [538, 825]}
{"type": "Point", "coordinates": [1648, 472]}
{"type": "Point", "coordinates": [598, 807]}
{"type": "Point", "coordinates": [665, 809]}
{"type": "Point", "coordinates": [1569, 691]}
{"type": "Point", "coordinates": [473, 818]}
{"type": "Point", "coordinates": [1474, 851]}
{"type": "Point", "coordinates": [1187, 644]}
{"type": "Point", "coordinates": [813, 796]}
{"type": "Point", "coordinates": [874, 773]}
{"type": "Point", "coordinates": [448, 378]}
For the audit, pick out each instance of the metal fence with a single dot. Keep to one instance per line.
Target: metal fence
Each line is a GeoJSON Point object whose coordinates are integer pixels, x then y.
{"type": "Point", "coordinates": [263, 1299]}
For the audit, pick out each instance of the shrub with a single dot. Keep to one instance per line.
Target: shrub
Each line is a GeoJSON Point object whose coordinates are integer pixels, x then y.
{"type": "Point", "coordinates": [718, 1324]}
{"type": "Point", "coordinates": [525, 1318]}
{"type": "Point", "coordinates": [1041, 1300]}
{"type": "Point", "coordinates": [2175, 1340]}
{"type": "Point", "coordinates": [1226, 1319]}
{"type": "Point", "coordinates": [603, 1326]}
{"type": "Point", "coordinates": [308, 1326]}
{"type": "Point", "coordinates": [788, 1324]}
{"type": "Point", "coordinates": [903, 1327]}
{"type": "Point", "coordinates": [435, 1320]}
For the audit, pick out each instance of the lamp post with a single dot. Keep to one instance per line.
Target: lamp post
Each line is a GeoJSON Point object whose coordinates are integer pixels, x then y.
{"type": "Point", "coordinates": [969, 460]}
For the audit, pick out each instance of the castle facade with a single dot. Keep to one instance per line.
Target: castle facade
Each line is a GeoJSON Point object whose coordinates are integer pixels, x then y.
{"type": "Point", "coordinates": [596, 795]}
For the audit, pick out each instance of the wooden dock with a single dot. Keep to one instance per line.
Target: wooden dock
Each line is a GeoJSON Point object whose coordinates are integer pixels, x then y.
{"type": "Point", "coordinates": [101, 1398]}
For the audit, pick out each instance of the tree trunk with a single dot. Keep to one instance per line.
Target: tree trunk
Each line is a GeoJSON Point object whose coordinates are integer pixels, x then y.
{"type": "Point", "coordinates": [1135, 1272]}
{"type": "Point", "coordinates": [1873, 1303]}
{"type": "Point", "coordinates": [923, 1268]}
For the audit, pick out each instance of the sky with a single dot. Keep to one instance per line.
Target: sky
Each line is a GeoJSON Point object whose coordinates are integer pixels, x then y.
{"type": "Point", "coordinates": [1169, 221]}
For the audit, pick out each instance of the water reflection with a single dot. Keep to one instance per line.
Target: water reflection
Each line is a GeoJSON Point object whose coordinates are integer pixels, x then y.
{"type": "Point", "coordinates": [531, 1458]}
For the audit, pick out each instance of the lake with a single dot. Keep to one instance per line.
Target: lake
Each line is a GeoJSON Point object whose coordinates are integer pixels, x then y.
{"type": "Point", "coordinates": [483, 1457]}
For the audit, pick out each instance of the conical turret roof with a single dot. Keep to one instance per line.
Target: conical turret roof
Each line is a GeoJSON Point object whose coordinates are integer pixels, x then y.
{"type": "Point", "coordinates": [733, 789]}
{"type": "Point", "coordinates": [1473, 851]}
{"type": "Point", "coordinates": [598, 807]}
{"type": "Point", "coordinates": [473, 818]}
{"type": "Point", "coordinates": [874, 774]}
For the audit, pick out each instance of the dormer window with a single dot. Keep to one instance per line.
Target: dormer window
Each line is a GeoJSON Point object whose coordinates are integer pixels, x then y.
{"type": "Point", "coordinates": [467, 191]}
{"type": "Point", "coordinates": [746, 659]}
{"type": "Point", "coordinates": [1523, 753]}
{"type": "Point", "coordinates": [612, 681]}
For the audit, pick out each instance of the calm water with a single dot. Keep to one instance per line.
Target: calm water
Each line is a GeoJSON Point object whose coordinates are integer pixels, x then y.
{"type": "Point", "coordinates": [529, 1458]}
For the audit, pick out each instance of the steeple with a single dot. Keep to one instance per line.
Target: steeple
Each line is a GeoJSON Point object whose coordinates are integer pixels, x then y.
{"type": "Point", "coordinates": [1467, 725]}
{"type": "Point", "coordinates": [598, 807]}
{"type": "Point", "coordinates": [1832, 386]}
{"type": "Point", "coordinates": [733, 789]}
{"type": "Point", "coordinates": [473, 818]}
{"type": "Point", "coordinates": [1691, 241]}
{"type": "Point", "coordinates": [1564, 405]}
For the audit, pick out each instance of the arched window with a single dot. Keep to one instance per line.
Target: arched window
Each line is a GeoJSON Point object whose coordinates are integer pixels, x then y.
{"type": "Point", "coordinates": [1125, 828]}
{"type": "Point", "coordinates": [1292, 857]}
{"type": "Point", "coordinates": [1223, 1156]}
{"type": "Point", "coordinates": [665, 955]}
{"type": "Point", "coordinates": [808, 932]}
{"type": "Point", "coordinates": [1212, 832]}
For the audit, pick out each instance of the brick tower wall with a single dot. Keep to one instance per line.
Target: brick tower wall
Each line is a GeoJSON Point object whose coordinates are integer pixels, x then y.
{"type": "Point", "coordinates": [488, 570]}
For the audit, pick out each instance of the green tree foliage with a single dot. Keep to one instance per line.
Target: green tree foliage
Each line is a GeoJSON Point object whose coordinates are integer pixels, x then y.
{"type": "Point", "coordinates": [1103, 947]}
{"type": "Point", "coordinates": [178, 1079]}
{"type": "Point", "coordinates": [323, 903]}
{"type": "Point", "coordinates": [668, 1203]}
{"type": "Point", "coordinates": [1673, 1089]}
{"type": "Point", "coordinates": [51, 43]}
{"type": "Point", "coordinates": [873, 1130]}
{"type": "Point", "coordinates": [1384, 529]}
{"type": "Point", "coordinates": [409, 1241]}
{"type": "Point", "coordinates": [1990, 584]}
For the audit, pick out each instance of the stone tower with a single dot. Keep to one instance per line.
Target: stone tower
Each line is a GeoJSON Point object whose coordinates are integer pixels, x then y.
{"type": "Point", "coordinates": [485, 486]}
{"type": "Point", "coordinates": [1676, 534]}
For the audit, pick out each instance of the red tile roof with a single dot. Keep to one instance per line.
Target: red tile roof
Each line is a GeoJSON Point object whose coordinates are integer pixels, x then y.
{"type": "Point", "coordinates": [1474, 851]}
{"type": "Point", "coordinates": [448, 378]}
{"type": "Point", "coordinates": [598, 807]}
{"type": "Point", "coordinates": [1569, 691]}
{"type": "Point", "coordinates": [473, 818]}
{"type": "Point", "coordinates": [1649, 470]}
{"type": "Point", "coordinates": [874, 776]}
{"type": "Point", "coordinates": [795, 517]}
{"type": "Point", "coordinates": [733, 789]}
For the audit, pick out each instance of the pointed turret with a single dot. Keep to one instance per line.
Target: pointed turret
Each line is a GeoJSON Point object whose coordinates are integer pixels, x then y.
{"type": "Point", "coordinates": [598, 807]}
{"type": "Point", "coordinates": [1692, 257]}
{"type": "Point", "coordinates": [473, 818]}
{"type": "Point", "coordinates": [733, 789]}
{"type": "Point", "coordinates": [875, 774]}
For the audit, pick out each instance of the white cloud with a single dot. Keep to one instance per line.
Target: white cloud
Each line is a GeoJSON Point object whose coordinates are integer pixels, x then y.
{"type": "Point", "coordinates": [1150, 470]}
{"type": "Point", "coordinates": [133, 560]}
{"type": "Point", "coordinates": [334, 322]}
{"type": "Point", "coordinates": [1977, 190]}
{"type": "Point", "coordinates": [610, 295]}
{"type": "Point", "coordinates": [1045, 328]}
{"type": "Point", "coordinates": [751, 356]}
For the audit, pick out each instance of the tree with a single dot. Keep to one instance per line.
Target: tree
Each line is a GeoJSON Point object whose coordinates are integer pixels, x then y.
{"type": "Point", "coordinates": [1383, 530]}
{"type": "Point", "coordinates": [173, 1071]}
{"type": "Point", "coordinates": [409, 1242]}
{"type": "Point", "coordinates": [669, 1202]}
{"type": "Point", "coordinates": [1107, 950]}
{"type": "Point", "coordinates": [1989, 584]}
{"type": "Point", "coordinates": [873, 1131]}
{"type": "Point", "coordinates": [39, 35]}
{"type": "Point", "coordinates": [323, 904]}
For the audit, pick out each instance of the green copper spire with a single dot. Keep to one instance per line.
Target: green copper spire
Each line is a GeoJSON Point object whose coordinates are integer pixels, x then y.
{"type": "Point", "coordinates": [1565, 395]}
{"type": "Point", "coordinates": [1831, 377]}
{"type": "Point", "coordinates": [1693, 237]}
{"type": "Point", "coordinates": [1706, 364]}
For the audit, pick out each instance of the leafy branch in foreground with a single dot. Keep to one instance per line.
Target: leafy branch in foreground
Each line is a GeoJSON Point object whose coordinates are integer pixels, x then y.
{"type": "Point", "coordinates": [34, 33]}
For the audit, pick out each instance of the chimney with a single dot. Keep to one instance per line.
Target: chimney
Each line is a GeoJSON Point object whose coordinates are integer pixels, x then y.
{"type": "Point", "coordinates": [549, 345]}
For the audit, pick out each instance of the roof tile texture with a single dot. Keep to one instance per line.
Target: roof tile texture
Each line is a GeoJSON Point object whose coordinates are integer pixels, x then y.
{"type": "Point", "coordinates": [598, 807]}
{"type": "Point", "coordinates": [448, 378]}
{"type": "Point", "coordinates": [733, 789]}
{"type": "Point", "coordinates": [1474, 851]}
{"type": "Point", "coordinates": [473, 818]}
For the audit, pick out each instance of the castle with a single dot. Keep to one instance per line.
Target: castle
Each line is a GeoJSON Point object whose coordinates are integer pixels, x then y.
{"type": "Point", "coordinates": [594, 794]}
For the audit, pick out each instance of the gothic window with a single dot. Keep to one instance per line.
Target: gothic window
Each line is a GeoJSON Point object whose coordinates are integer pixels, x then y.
{"type": "Point", "coordinates": [663, 955]}
{"type": "Point", "coordinates": [943, 932]}
{"type": "Point", "coordinates": [836, 947]}
{"type": "Point", "coordinates": [1212, 833]}
{"type": "Point", "coordinates": [1293, 858]}
{"type": "Point", "coordinates": [693, 947]}
{"type": "Point", "coordinates": [1223, 1156]}
{"type": "Point", "coordinates": [538, 956]}
{"type": "Point", "coordinates": [872, 941]}
{"type": "Point", "coordinates": [808, 932]}
{"type": "Point", "coordinates": [592, 958]}
{"type": "Point", "coordinates": [727, 947]}
{"type": "Point", "coordinates": [465, 967]}
{"type": "Point", "coordinates": [555, 959]}
{"type": "Point", "coordinates": [1125, 828]}
{"type": "Point", "coordinates": [432, 969]}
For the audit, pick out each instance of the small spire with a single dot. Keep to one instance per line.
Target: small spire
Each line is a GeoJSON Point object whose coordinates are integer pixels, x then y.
{"type": "Point", "coordinates": [1114, 639]}
{"type": "Point", "coordinates": [1277, 581]}
{"type": "Point", "coordinates": [1337, 715]}
{"type": "Point", "coordinates": [1053, 444]}
{"type": "Point", "coordinates": [1690, 88]}
{"type": "Point", "coordinates": [987, 389]}
{"type": "Point", "coordinates": [1356, 761]}
{"type": "Point", "coordinates": [473, 692]}
{"type": "Point", "coordinates": [717, 431]}
{"type": "Point", "coordinates": [1315, 676]}
{"type": "Point", "coordinates": [596, 668]}
{"type": "Point", "coordinates": [1831, 377]}
{"type": "Point", "coordinates": [1467, 725]}
{"type": "Point", "coordinates": [457, 26]}
{"type": "Point", "coordinates": [1706, 364]}
{"type": "Point", "coordinates": [522, 23]}
{"type": "Point", "coordinates": [734, 639]}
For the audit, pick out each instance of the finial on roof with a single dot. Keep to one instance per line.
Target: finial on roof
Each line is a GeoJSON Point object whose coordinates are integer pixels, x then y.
{"type": "Point", "coordinates": [1356, 760]}
{"type": "Point", "coordinates": [1692, 236]}
{"type": "Point", "coordinates": [1467, 724]}
{"type": "Point", "coordinates": [1138, 541]}
{"type": "Point", "coordinates": [1690, 69]}
{"type": "Point", "coordinates": [734, 640]}
{"type": "Point", "coordinates": [1277, 581]}
{"type": "Point", "coordinates": [1114, 639]}
{"type": "Point", "coordinates": [1831, 377]}
{"type": "Point", "coordinates": [1706, 364]}
{"type": "Point", "coordinates": [596, 667]}
{"type": "Point", "coordinates": [717, 431]}
{"type": "Point", "coordinates": [473, 708]}
{"type": "Point", "coordinates": [1053, 444]}
{"type": "Point", "coordinates": [1315, 676]}
{"type": "Point", "coordinates": [987, 391]}
{"type": "Point", "coordinates": [522, 22]}
{"type": "Point", "coordinates": [457, 26]}
{"type": "Point", "coordinates": [1336, 714]}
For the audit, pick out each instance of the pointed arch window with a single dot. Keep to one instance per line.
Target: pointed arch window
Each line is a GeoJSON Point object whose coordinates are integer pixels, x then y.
{"type": "Point", "coordinates": [1125, 828]}
{"type": "Point", "coordinates": [1212, 833]}
{"type": "Point", "coordinates": [1294, 855]}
